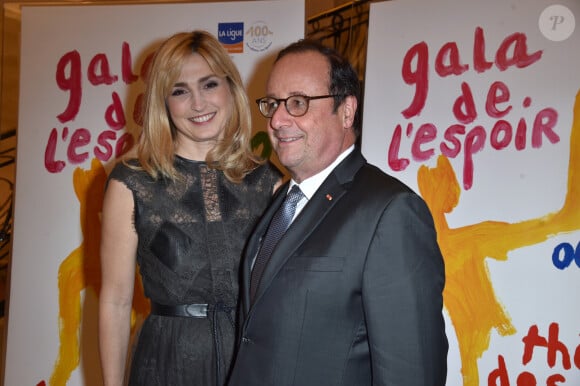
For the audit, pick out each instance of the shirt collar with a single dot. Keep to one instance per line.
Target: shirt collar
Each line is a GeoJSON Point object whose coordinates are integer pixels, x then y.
{"type": "Point", "coordinates": [310, 185]}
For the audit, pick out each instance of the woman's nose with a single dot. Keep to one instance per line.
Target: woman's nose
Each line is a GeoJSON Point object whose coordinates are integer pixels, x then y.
{"type": "Point", "coordinates": [198, 102]}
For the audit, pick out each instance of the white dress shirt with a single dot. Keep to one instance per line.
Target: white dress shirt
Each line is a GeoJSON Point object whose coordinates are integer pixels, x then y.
{"type": "Point", "coordinates": [310, 185]}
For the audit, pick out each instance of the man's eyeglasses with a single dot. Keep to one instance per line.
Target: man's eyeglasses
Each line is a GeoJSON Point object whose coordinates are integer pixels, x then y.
{"type": "Point", "coordinates": [296, 105]}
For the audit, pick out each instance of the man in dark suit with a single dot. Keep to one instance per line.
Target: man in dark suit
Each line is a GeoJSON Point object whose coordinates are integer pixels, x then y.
{"type": "Point", "coordinates": [351, 294]}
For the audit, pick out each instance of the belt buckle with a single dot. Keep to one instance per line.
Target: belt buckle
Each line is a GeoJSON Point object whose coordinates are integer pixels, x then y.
{"type": "Point", "coordinates": [196, 310]}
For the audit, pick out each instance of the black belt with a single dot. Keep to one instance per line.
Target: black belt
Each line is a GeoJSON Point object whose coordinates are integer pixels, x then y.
{"type": "Point", "coordinates": [186, 310]}
{"type": "Point", "coordinates": [201, 311]}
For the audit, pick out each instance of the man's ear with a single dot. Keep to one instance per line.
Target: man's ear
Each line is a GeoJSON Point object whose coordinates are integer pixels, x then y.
{"type": "Point", "coordinates": [348, 111]}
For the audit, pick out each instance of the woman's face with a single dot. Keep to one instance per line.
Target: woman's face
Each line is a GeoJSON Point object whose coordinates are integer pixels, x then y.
{"type": "Point", "coordinates": [200, 103]}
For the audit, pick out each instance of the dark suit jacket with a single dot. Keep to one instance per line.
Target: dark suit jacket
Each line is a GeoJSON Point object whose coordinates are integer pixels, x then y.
{"type": "Point", "coordinates": [352, 294]}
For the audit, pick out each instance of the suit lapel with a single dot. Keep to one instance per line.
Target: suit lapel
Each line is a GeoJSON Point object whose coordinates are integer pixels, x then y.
{"type": "Point", "coordinates": [255, 242]}
{"type": "Point", "coordinates": [327, 195]}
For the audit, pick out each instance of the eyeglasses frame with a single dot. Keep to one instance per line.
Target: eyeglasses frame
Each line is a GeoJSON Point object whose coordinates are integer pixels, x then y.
{"type": "Point", "coordinates": [280, 100]}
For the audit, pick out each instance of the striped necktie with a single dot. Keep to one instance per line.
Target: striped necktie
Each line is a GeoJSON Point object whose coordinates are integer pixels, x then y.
{"type": "Point", "coordinates": [280, 222]}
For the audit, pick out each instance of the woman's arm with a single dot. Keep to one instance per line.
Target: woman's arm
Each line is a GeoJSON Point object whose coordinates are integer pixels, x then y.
{"type": "Point", "coordinates": [118, 261]}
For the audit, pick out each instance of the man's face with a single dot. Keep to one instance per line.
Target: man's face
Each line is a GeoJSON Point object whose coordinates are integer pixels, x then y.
{"type": "Point", "coordinates": [308, 144]}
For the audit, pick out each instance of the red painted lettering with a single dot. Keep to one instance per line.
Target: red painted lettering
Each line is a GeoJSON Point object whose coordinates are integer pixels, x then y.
{"type": "Point", "coordinates": [533, 339]}
{"type": "Point", "coordinates": [464, 106]}
{"type": "Point", "coordinates": [127, 64]}
{"type": "Point", "coordinates": [480, 63]}
{"type": "Point", "coordinates": [526, 379]}
{"type": "Point", "coordinates": [543, 124]}
{"type": "Point", "coordinates": [500, 374]}
{"type": "Point", "coordinates": [114, 115]}
{"type": "Point", "coordinates": [450, 135]}
{"type": "Point", "coordinates": [426, 133]}
{"type": "Point", "coordinates": [418, 77]}
{"type": "Point", "coordinates": [104, 149]}
{"type": "Point", "coordinates": [552, 379]}
{"type": "Point", "coordinates": [50, 163]}
{"type": "Point", "coordinates": [516, 44]}
{"type": "Point", "coordinates": [501, 135]}
{"type": "Point", "coordinates": [474, 141]}
{"type": "Point", "coordinates": [70, 83]}
{"type": "Point", "coordinates": [124, 144]}
{"type": "Point", "coordinates": [396, 163]}
{"type": "Point", "coordinates": [80, 138]}
{"type": "Point", "coordinates": [99, 71]}
{"type": "Point", "coordinates": [448, 61]}
{"type": "Point", "coordinates": [498, 93]}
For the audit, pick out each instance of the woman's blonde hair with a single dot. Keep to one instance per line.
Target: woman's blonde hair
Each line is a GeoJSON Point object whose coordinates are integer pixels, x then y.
{"type": "Point", "coordinates": [156, 146]}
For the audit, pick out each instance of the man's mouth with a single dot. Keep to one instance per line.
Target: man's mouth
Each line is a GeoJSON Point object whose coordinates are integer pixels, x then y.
{"type": "Point", "coordinates": [288, 139]}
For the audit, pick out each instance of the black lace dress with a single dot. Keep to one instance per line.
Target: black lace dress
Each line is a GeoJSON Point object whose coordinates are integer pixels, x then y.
{"type": "Point", "coordinates": [191, 236]}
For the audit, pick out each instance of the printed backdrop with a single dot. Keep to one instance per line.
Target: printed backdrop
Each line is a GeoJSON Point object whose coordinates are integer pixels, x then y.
{"type": "Point", "coordinates": [82, 76]}
{"type": "Point", "coordinates": [476, 105]}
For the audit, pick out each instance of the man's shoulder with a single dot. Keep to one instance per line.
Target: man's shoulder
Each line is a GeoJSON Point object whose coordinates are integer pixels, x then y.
{"type": "Point", "coordinates": [368, 180]}
{"type": "Point", "coordinates": [372, 178]}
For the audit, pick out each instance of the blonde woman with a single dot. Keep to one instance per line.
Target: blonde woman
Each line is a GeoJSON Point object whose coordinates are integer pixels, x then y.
{"type": "Point", "coordinates": [181, 208]}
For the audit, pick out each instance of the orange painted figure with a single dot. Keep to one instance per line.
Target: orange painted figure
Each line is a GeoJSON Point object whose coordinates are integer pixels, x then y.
{"type": "Point", "coordinates": [469, 296]}
{"type": "Point", "coordinates": [81, 271]}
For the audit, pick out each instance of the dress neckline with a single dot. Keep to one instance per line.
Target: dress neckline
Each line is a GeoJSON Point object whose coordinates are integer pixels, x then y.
{"type": "Point", "coordinates": [177, 156]}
